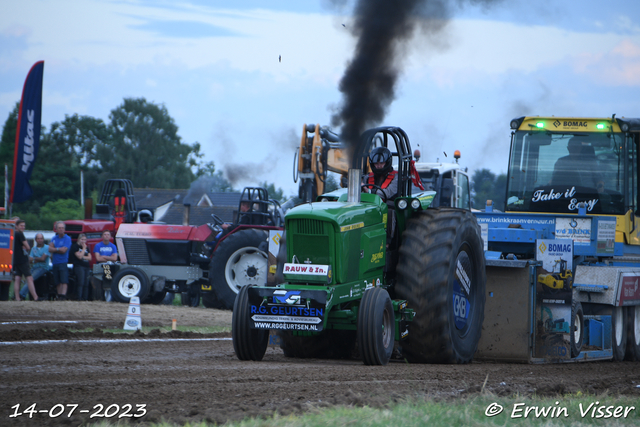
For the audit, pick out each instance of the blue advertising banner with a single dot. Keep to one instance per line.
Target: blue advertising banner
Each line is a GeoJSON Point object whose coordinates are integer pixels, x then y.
{"type": "Point", "coordinates": [28, 135]}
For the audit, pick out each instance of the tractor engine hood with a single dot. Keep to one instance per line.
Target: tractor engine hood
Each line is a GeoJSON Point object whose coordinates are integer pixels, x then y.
{"type": "Point", "coordinates": [348, 237]}
{"type": "Point", "coordinates": [344, 216]}
{"type": "Point", "coordinates": [163, 232]}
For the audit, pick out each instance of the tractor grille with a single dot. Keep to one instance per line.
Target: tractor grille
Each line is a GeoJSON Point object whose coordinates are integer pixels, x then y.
{"type": "Point", "coordinates": [136, 250]}
{"type": "Point", "coordinates": [311, 227]}
{"type": "Point", "coordinates": [74, 227]}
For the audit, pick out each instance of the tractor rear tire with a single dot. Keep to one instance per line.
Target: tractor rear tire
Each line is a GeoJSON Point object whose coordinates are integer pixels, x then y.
{"type": "Point", "coordinates": [238, 262]}
{"type": "Point", "coordinates": [129, 282]}
{"type": "Point", "coordinates": [619, 333]}
{"type": "Point", "coordinates": [249, 344]}
{"type": "Point", "coordinates": [441, 274]}
{"type": "Point", "coordinates": [376, 327]}
{"type": "Point", "coordinates": [210, 300]}
{"type": "Point", "coordinates": [577, 328]}
{"type": "Point", "coordinates": [156, 298]}
{"type": "Point", "coordinates": [633, 334]}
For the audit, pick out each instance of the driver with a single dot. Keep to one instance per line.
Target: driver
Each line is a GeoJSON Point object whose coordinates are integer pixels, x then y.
{"type": "Point", "coordinates": [226, 227]}
{"type": "Point", "coordinates": [245, 206]}
{"type": "Point", "coordinates": [382, 175]}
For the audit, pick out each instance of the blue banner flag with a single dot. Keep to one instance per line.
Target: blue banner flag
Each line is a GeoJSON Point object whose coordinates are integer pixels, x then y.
{"type": "Point", "coordinates": [28, 135]}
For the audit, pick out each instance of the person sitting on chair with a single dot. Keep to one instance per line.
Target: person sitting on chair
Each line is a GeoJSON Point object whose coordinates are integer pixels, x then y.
{"type": "Point", "coordinates": [39, 257]}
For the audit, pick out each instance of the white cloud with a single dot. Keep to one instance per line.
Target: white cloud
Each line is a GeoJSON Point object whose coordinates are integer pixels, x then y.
{"type": "Point", "coordinates": [493, 48]}
{"type": "Point", "coordinates": [97, 33]}
{"type": "Point", "coordinates": [233, 95]}
{"type": "Point", "coordinates": [618, 67]}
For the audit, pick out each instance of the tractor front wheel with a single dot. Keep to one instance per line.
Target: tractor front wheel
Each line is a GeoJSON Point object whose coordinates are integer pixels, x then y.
{"type": "Point", "coordinates": [441, 274]}
{"type": "Point", "coordinates": [376, 327]}
{"type": "Point", "coordinates": [249, 344]}
{"type": "Point", "coordinates": [129, 282]}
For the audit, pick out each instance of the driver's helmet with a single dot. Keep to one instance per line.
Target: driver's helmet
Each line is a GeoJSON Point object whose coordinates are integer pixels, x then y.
{"type": "Point", "coordinates": [380, 155]}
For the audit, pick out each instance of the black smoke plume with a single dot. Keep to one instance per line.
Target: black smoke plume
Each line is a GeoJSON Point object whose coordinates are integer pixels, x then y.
{"type": "Point", "coordinates": [382, 29]}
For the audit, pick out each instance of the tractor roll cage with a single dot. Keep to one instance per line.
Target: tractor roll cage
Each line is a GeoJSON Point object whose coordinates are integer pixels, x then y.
{"type": "Point", "coordinates": [383, 135]}
{"type": "Point", "coordinates": [259, 212]}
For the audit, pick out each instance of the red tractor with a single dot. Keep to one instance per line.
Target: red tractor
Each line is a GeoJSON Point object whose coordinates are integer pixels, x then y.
{"type": "Point", "coordinates": [212, 261]}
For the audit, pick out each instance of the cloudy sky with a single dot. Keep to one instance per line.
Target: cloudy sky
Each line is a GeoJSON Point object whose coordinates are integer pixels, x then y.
{"type": "Point", "coordinates": [214, 65]}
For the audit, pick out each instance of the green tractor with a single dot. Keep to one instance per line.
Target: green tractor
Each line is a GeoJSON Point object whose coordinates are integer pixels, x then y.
{"type": "Point", "coordinates": [363, 275]}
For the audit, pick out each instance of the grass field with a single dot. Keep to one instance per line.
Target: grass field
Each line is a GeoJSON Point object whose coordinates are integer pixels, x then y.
{"type": "Point", "coordinates": [481, 410]}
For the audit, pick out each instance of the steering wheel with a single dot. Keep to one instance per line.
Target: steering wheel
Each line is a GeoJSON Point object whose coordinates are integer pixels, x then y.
{"type": "Point", "coordinates": [217, 222]}
{"type": "Point", "coordinates": [375, 187]}
{"type": "Point", "coordinates": [216, 219]}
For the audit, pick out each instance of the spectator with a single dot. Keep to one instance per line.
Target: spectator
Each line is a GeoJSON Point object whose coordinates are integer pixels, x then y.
{"type": "Point", "coordinates": [81, 259]}
{"type": "Point", "coordinates": [106, 251]}
{"type": "Point", "coordinates": [21, 262]}
{"type": "Point", "coordinates": [59, 249]}
{"type": "Point", "coordinates": [39, 257]}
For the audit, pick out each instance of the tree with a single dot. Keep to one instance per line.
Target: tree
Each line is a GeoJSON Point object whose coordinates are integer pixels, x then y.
{"type": "Point", "coordinates": [331, 183]}
{"type": "Point", "coordinates": [51, 212]}
{"type": "Point", "coordinates": [216, 182]}
{"type": "Point", "coordinates": [140, 143]}
{"type": "Point", "coordinates": [146, 148]}
{"type": "Point", "coordinates": [8, 141]}
{"type": "Point", "coordinates": [274, 193]}
{"type": "Point", "coordinates": [485, 185]}
{"type": "Point", "coordinates": [69, 147]}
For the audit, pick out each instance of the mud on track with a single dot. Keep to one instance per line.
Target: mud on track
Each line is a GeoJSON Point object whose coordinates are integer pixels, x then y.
{"type": "Point", "coordinates": [195, 380]}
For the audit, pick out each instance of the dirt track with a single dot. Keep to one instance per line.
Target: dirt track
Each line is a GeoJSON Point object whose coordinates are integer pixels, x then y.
{"type": "Point", "coordinates": [194, 380]}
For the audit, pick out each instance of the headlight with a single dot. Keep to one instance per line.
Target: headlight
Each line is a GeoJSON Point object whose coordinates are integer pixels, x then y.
{"type": "Point", "coordinates": [402, 204]}
{"type": "Point", "coordinates": [415, 203]}
{"type": "Point", "coordinates": [324, 199]}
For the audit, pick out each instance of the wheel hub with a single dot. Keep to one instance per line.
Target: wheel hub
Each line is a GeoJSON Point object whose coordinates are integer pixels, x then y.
{"type": "Point", "coordinates": [252, 271]}
{"type": "Point", "coordinates": [247, 266]}
{"type": "Point", "coordinates": [129, 286]}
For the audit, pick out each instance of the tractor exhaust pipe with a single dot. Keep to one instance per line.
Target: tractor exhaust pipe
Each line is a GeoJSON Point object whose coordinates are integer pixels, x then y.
{"type": "Point", "coordinates": [353, 191]}
{"type": "Point", "coordinates": [186, 213]}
